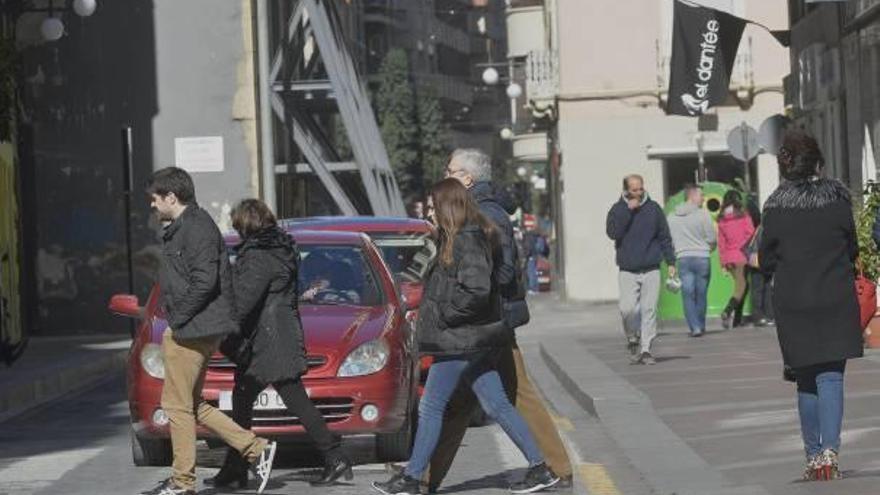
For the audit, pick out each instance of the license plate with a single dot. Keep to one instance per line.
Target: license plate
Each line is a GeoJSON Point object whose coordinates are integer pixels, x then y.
{"type": "Point", "coordinates": [268, 400]}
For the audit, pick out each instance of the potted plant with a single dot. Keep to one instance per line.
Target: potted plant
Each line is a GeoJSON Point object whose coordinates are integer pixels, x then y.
{"type": "Point", "coordinates": [869, 255]}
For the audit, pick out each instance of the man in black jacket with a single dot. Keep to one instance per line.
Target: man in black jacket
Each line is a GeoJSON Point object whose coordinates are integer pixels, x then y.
{"type": "Point", "coordinates": [473, 169]}
{"type": "Point", "coordinates": [638, 227]}
{"type": "Point", "coordinates": [195, 283]}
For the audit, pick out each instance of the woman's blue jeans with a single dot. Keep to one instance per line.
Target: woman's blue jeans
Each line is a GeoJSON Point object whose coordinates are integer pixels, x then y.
{"type": "Point", "coordinates": [443, 378]}
{"type": "Point", "coordinates": [820, 405]}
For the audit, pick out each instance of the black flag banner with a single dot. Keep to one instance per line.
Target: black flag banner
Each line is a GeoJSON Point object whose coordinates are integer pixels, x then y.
{"type": "Point", "coordinates": [704, 45]}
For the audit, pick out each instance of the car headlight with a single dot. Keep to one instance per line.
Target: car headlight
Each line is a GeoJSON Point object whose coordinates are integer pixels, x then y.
{"type": "Point", "coordinates": [366, 359]}
{"type": "Point", "coordinates": [152, 361]}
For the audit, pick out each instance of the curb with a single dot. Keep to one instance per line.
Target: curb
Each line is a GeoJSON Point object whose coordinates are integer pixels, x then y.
{"type": "Point", "coordinates": [21, 398]}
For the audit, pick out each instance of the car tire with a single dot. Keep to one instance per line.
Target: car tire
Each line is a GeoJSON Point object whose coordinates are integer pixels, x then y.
{"type": "Point", "coordinates": [395, 447]}
{"type": "Point", "coordinates": [150, 451]}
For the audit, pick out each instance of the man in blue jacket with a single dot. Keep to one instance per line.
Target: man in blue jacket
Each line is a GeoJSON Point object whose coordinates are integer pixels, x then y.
{"type": "Point", "coordinates": [638, 227]}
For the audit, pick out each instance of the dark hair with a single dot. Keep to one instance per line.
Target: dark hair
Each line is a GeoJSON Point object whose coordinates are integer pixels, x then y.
{"type": "Point", "coordinates": [456, 208]}
{"type": "Point", "coordinates": [172, 180]}
{"type": "Point", "coordinates": [732, 198]}
{"type": "Point", "coordinates": [251, 216]}
{"type": "Point", "coordinates": [799, 157]}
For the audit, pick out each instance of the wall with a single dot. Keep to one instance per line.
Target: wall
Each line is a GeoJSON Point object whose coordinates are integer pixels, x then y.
{"type": "Point", "coordinates": [611, 47]}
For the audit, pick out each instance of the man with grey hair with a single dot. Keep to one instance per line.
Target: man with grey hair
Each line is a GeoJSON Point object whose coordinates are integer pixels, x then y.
{"type": "Point", "coordinates": [473, 169]}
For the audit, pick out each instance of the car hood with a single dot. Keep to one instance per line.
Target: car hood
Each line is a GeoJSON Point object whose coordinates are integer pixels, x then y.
{"type": "Point", "coordinates": [336, 330]}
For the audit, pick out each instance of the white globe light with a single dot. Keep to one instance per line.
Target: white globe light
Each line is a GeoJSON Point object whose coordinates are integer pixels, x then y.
{"type": "Point", "coordinates": [506, 133]}
{"type": "Point", "coordinates": [52, 29]}
{"type": "Point", "coordinates": [514, 91]}
{"type": "Point", "coordinates": [535, 178]}
{"type": "Point", "coordinates": [521, 171]}
{"type": "Point", "coordinates": [84, 8]}
{"type": "Point", "coordinates": [490, 76]}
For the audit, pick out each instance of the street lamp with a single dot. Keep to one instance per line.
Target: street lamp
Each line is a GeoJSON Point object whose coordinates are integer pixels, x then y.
{"type": "Point", "coordinates": [514, 91]}
{"type": "Point", "coordinates": [52, 27]}
{"type": "Point", "coordinates": [491, 76]}
{"type": "Point", "coordinates": [506, 134]}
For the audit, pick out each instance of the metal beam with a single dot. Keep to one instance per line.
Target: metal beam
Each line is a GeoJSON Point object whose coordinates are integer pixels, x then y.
{"type": "Point", "coordinates": [267, 136]}
{"type": "Point", "coordinates": [305, 168]}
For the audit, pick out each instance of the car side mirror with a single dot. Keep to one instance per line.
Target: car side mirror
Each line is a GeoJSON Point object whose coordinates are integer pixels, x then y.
{"type": "Point", "coordinates": [126, 305]}
{"type": "Point", "coordinates": [412, 294]}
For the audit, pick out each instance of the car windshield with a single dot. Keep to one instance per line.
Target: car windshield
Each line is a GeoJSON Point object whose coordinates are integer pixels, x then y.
{"type": "Point", "coordinates": [407, 256]}
{"type": "Point", "coordinates": [334, 274]}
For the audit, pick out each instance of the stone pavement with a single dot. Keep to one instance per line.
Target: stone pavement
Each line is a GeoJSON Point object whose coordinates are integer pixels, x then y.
{"type": "Point", "coordinates": [712, 417]}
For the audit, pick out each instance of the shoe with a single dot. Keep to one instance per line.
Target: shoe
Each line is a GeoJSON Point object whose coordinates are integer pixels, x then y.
{"type": "Point", "coordinates": [729, 313]}
{"type": "Point", "coordinates": [648, 359]}
{"type": "Point", "coordinates": [632, 346]}
{"type": "Point", "coordinates": [828, 465]}
{"type": "Point", "coordinates": [698, 333]}
{"type": "Point", "coordinates": [565, 483]}
{"type": "Point", "coordinates": [537, 478]}
{"type": "Point", "coordinates": [167, 487]}
{"type": "Point", "coordinates": [334, 469]}
{"type": "Point", "coordinates": [399, 484]}
{"type": "Point", "coordinates": [811, 468]}
{"type": "Point", "coordinates": [399, 469]}
{"type": "Point", "coordinates": [234, 471]}
{"type": "Point", "coordinates": [262, 466]}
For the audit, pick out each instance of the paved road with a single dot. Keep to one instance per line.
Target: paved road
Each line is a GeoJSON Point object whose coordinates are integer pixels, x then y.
{"type": "Point", "coordinates": [713, 417]}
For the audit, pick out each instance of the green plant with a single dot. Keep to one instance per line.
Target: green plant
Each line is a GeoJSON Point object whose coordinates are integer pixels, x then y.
{"type": "Point", "coordinates": [8, 103]}
{"type": "Point", "coordinates": [432, 142]}
{"type": "Point", "coordinates": [398, 124]}
{"type": "Point", "coordinates": [865, 214]}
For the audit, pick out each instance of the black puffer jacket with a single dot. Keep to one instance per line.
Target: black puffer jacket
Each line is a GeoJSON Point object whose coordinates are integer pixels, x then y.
{"type": "Point", "coordinates": [461, 309]}
{"type": "Point", "coordinates": [265, 282]}
{"type": "Point", "coordinates": [809, 245]}
{"type": "Point", "coordinates": [194, 277]}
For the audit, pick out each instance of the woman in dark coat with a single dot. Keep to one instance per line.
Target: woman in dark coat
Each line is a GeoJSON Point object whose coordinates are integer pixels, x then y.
{"type": "Point", "coordinates": [265, 287]}
{"type": "Point", "coordinates": [809, 245]}
{"type": "Point", "coordinates": [460, 323]}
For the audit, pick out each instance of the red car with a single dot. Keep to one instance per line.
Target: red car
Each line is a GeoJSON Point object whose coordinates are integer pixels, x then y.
{"type": "Point", "coordinates": [363, 368]}
{"type": "Point", "coordinates": [405, 244]}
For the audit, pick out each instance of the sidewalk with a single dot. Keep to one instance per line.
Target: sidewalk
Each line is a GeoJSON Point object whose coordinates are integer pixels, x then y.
{"type": "Point", "coordinates": [54, 366]}
{"type": "Point", "coordinates": [712, 417]}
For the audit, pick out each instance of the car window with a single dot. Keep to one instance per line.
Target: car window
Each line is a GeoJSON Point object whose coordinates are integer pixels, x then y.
{"type": "Point", "coordinates": [337, 275]}
{"type": "Point", "coordinates": [407, 256]}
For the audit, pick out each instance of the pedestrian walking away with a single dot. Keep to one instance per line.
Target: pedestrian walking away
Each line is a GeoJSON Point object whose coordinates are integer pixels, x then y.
{"type": "Point", "coordinates": [735, 231]}
{"type": "Point", "coordinates": [694, 238]}
{"type": "Point", "coordinates": [642, 241]}
{"type": "Point", "coordinates": [809, 245]}
{"type": "Point", "coordinates": [761, 288]}
{"type": "Point", "coordinates": [460, 323]}
{"type": "Point", "coordinates": [196, 286]}
{"type": "Point", "coordinates": [270, 349]}
{"type": "Point", "coordinates": [473, 169]}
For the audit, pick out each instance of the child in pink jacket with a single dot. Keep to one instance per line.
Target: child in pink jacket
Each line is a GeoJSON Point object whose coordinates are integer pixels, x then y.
{"type": "Point", "coordinates": [735, 230]}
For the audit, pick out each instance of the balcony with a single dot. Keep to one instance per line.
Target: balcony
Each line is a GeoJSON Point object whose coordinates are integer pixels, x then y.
{"type": "Point", "coordinates": [542, 75]}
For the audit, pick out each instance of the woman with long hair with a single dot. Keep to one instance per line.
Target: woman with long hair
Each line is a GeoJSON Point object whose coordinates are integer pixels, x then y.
{"type": "Point", "coordinates": [460, 324]}
{"type": "Point", "coordinates": [270, 350]}
{"type": "Point", "coordinates": [735, 230]}
{"type": "Point", "coordinates": [809, 245]}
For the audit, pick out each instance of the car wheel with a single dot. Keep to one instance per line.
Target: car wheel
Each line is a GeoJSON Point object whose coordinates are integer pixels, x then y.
{"type": "Point", "coordinates": [394, 447]}
{"type": "Point", "coordinates": [150, 451]}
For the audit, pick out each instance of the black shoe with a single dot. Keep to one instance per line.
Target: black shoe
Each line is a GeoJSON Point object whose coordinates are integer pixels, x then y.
{"type": "Point", "coordinates": [632, 346]}
{"type": "Point", "coordinates": [234, 471]}
{"type": "Point", "coordinates": [537, 478]}
{"type": "Point", "coordinates": [398, 485]}
{"type": "Point", "coordinates": [334, 469]}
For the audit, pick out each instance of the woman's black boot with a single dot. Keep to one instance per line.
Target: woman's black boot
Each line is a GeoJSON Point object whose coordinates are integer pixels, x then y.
{"type": "Point", "coordinates": [234, 470]}
{"type": "Point", "coordinates": [336, 466]}
{"type": "Point", "coordinates": [728, 314]}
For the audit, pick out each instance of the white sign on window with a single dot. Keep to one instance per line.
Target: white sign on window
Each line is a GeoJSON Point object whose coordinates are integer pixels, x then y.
{"type": "Point", "coordinates": [199, 154]}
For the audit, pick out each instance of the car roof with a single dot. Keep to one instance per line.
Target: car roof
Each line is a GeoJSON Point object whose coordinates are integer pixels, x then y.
{"type": "Point", "coordinates": [358, 224]}
{"type": "Point", "coordinates": [312, 237]}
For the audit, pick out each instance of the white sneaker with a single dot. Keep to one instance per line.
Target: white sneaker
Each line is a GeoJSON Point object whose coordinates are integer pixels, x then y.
{"type": "Point", "coordinates": [262, 467]}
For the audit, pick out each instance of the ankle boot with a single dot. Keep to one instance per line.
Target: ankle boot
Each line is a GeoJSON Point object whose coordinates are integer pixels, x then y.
{"type": "Point", "coordinates": [234, 471]}
{"type": "Point", "coordinates": [336, 466]}
{"type": "Point", "coordinates": [728, 313]}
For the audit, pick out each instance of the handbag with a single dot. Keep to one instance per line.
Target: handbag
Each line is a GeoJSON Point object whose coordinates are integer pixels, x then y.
{"type": "Point", "coordinates": [866, 291]}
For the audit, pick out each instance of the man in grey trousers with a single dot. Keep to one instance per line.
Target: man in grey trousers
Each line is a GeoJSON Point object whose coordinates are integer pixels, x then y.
{"type": "Point", "coordinates": [693, 233]}
{"type": "Point", "coordinates": [638, 227]}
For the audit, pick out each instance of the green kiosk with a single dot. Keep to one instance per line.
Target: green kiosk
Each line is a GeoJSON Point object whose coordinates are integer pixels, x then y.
{"type": "Point", "coordinates": [721, 283]}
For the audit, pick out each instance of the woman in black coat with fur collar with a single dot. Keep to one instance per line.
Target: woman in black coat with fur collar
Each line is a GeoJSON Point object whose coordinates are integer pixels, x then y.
{"type": "Point", "coordinates": [265, 288]}
{"type": "Point", "coordinates": [809, 245]}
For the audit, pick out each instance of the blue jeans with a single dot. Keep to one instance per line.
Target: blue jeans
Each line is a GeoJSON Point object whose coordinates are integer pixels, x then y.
{"type": "Point", "coordinates": [695, 273]}
{"type": "Point", "coordinates": [820, 405]}
{"type": "Point", "coordinates": [532, 273]}
{"type": "Point", "coordinates": [443, 379]}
